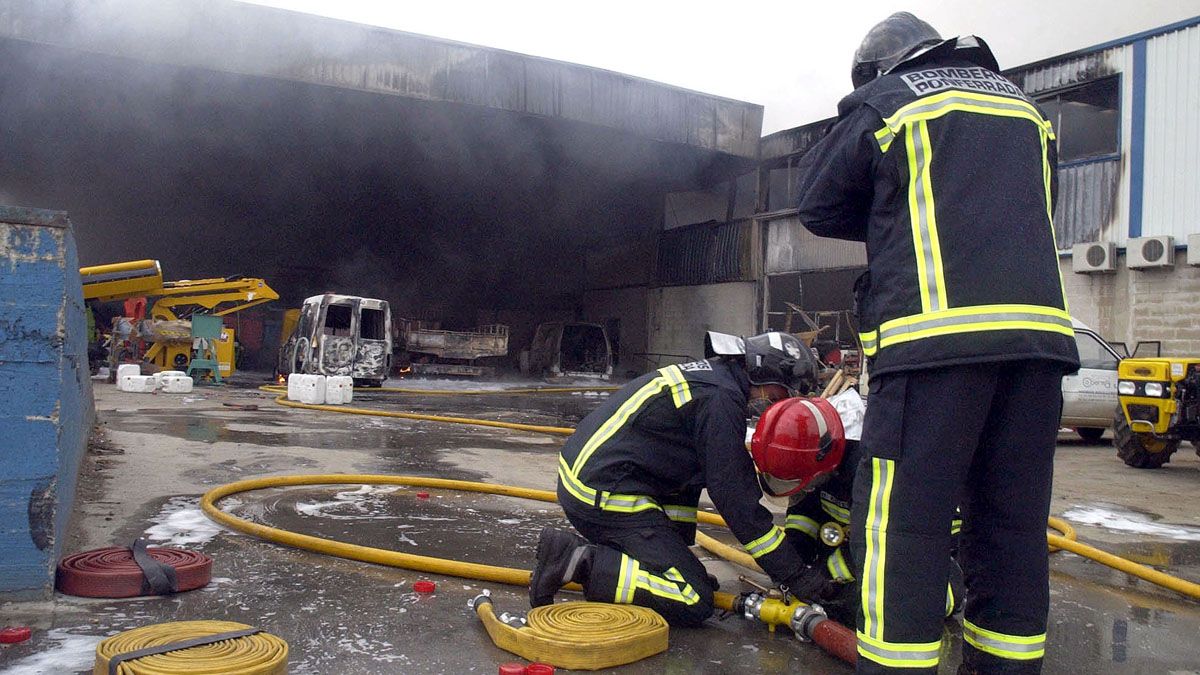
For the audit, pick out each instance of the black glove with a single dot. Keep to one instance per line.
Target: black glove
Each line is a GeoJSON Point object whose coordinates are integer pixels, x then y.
{"type": "Point", "coordinates": [808, 584]}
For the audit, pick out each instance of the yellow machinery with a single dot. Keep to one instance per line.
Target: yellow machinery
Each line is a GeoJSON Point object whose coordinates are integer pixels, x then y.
{"type": "Point", "coordinates": [1159, 408]}
{"type": "Point", "coordinates": [175, 301]}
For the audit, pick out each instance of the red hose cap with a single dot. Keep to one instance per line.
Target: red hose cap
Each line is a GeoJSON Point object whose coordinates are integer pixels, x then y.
{"type": "Point", "coordinates": [422, 495]}
{"type": "Point", "coordinates": [11, 635]}
{"type": "Point", "coordinates": [424, 586]}
{"type": "Point", "coordinates": [539, 669]}
{"type": "Point", "coordinates": [512, 668]}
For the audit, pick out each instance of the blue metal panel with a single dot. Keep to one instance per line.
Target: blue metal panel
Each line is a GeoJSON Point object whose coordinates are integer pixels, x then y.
{"type": "Point", "coordinates": [47, 395]}
{"type": "Point", "coordinates": [1137, 140]}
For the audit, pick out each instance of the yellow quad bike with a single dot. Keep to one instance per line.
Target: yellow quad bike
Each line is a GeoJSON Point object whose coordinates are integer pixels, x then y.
{"type": "Point", "coordinates": [1159, 407]}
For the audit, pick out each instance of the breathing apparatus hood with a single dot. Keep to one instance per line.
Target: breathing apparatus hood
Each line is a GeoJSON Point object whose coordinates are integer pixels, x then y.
{"type": "Point", "coordinates": [770, 358]}
{"type": "Point", "coordinates": [797, 444]}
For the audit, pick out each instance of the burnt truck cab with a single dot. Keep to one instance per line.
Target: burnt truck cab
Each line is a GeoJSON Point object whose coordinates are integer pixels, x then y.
{"type": "Point", "coordinates": [341, 335]}
{"type": "Point", "coordinates": [570, 349]}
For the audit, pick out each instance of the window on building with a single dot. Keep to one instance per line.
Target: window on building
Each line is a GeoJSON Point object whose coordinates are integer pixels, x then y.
{"type": "Point", "coordinates": [1086, 118]}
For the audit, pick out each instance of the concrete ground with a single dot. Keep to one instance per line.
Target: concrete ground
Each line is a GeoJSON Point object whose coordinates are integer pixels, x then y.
{"type": "Point", "coordinates": [158, 453]}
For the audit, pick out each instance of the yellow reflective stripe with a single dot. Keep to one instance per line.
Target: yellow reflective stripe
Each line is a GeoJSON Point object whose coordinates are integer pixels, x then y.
{"type": "Point", "coordinates": [838, 569]}
{"type": "Point", "coordinates": [626, 580]}
{"type": "Point", "coordinates": [613, 424]}
{"type": "Point", "coordinates": [932, 107]}
{"type": "Point", "coordinates": [803, 524]}
{"type": "Point", "coordinates": [949, 599]}
{"type": "Point", "coordinates": [882, 471]}
{"type": "Point", "coordinates": [681, 393]}
{"type": "Point", "coordinates": [974, 319]}
{"type": "Point", "coordinates": [680, 514]}
{"type": "Point", "coordinates": [607, 501]}
{"type": "Point", "coordinates": [842, 515]}
{"type": "Point", "coordinates": [899, 654]}
{"type": "Point", "coordinates": [930, 276]}
{"type": "Point", "coordinates": [766, 543]}
{"type": "Point", "coordinates": [573, 485]}
{"type": "Point", "coordinates": [956, 526]}
{"type": "Point", "coordinates": [885, 137]}
{"type": "Point", "coordinates": [930, 226]}
{"type": "Point", "coordinates": [668, 586]}
{"type": "Point", "coordinates": [870, 342]}
{"type": "Point", "coordinates": [1016, 647]}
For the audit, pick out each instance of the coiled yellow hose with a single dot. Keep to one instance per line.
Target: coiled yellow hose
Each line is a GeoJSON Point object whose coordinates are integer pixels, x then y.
{"type": "Point", "coordinates": [257, 654]}
{"type": "Point", "coordinates": [580, 635]}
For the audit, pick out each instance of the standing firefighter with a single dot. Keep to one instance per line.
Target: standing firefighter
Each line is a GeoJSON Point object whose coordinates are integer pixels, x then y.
{"type": "Point", "coordinates": [947, 171]}
{"type": "Point", "coordinates": [630, 478]}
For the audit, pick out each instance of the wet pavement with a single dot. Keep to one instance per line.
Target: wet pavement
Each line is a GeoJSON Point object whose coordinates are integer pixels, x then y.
{"type": "Point", "coordinates": [338, 616]}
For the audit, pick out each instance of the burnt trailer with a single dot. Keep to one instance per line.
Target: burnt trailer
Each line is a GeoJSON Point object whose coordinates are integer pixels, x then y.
{"type": "Point", "coordinates": [426, 349]}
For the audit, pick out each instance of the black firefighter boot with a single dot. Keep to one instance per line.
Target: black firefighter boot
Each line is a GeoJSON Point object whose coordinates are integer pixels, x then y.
{"type": "Point", "coordinates": [561, 557]}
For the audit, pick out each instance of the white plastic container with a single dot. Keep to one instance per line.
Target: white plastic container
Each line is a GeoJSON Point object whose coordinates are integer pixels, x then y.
{"type": "Point", "coordinates": [176, 384]}
{"type": "Point", "coordinates": [128, 369]}
{"type": "Point", "coordinates": [306, 388]}
{"type": "Point", "coordinates": [138, 384]}
{"type": "Point", "coordinates": [158, 377]}
{"type": "Point", "coordinates": [339, 389]}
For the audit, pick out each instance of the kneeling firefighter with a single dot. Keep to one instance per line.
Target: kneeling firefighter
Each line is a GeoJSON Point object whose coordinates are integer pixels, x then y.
{"type": "Point", "coordinates": [630, 477]}
{"type": "Point", "coordinates": [803, 452]}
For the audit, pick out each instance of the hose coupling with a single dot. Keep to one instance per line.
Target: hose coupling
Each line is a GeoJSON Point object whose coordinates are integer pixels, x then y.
{"type": "Point", "coordinates": [805, 619]}
{"type": "Point", "coordinates": [475, 602]}
{"type": "Point", "coordinates": [751, 604]}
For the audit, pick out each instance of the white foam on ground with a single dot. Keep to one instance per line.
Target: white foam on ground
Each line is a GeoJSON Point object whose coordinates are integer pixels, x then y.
{"type": "Point", "coordinates": [181, 522]}
{"type": "Point", "coordinates": [68, 652]}
{"type": "Point", "coordinates": [1113, 518]}
{"type": "Point", "coordinates": [352, 504]}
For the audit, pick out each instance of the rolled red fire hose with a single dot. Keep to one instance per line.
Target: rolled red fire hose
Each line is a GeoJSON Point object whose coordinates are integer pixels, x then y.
{"type": "Point", "coordinates": [113, 573]}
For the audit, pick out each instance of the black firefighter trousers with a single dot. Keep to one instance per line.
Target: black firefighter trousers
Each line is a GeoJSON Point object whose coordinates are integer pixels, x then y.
{"type": "Point", "coordinates": [643, 559]}
{"type": "Point", "coordinates": [981, 435]}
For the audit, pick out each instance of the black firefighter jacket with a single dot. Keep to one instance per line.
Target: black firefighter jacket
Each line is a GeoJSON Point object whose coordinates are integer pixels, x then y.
{"type": "Point", "coordinates": [664, 437]}
{"type": "Point", "coordinates": [947, 171]}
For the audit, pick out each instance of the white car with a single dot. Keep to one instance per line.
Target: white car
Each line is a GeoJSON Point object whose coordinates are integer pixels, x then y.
{"type": "Point", "coordinates": [1090, 395]}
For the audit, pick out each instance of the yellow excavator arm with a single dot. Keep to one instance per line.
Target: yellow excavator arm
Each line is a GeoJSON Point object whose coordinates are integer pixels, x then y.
{"type": "Point", "coordinates": [219, 296]}
{"type": "Point", "coordinates": [143, 278]}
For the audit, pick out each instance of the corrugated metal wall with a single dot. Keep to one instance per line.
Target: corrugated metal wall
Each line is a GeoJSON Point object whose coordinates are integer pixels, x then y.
{"type": "Point", "coordinates": [706, 253]}
{"type": "Point", "coordinates": [1088, 196]}
{"type": "Point", "coordinates": [1093, 198]}
{"type": "Point", "coordinates": [1171, 188]}
{"type": "Point", "coordinates": [791, 248]}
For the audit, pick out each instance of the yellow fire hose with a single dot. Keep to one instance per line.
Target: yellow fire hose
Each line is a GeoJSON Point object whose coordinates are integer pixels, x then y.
{"type": "Point", "coordinates": [255, 654]}
{"type": "Point", "coordinates": [578, 635]}
{"type": "Point", "coordinates": [1065, 540]}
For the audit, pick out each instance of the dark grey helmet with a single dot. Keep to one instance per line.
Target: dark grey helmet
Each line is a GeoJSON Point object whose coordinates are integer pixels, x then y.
{"type": "Point", "coordinates": [887, 44]}
{"type": "Point", "coordinates": [779, 358]}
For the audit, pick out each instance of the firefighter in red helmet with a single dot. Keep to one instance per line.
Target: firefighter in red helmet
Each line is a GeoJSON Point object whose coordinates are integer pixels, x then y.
{"type": "Point", "coordinates": [800, 449]}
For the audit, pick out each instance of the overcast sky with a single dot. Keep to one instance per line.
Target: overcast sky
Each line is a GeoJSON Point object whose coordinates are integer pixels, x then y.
{"type": "Point", "coordinates": [791, 57]}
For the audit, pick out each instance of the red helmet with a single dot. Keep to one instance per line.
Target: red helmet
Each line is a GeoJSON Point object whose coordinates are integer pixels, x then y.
{"type": "Point", "coordinates": [796, 444]}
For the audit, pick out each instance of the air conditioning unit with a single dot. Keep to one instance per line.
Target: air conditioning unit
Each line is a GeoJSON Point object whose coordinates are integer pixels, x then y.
{"type": "Point", "coordinates": [1193, 257]}
{"type": "Point", "coordinates": [1145, 252]}
{"type": "Point", "coordinates": [1098, 256]}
